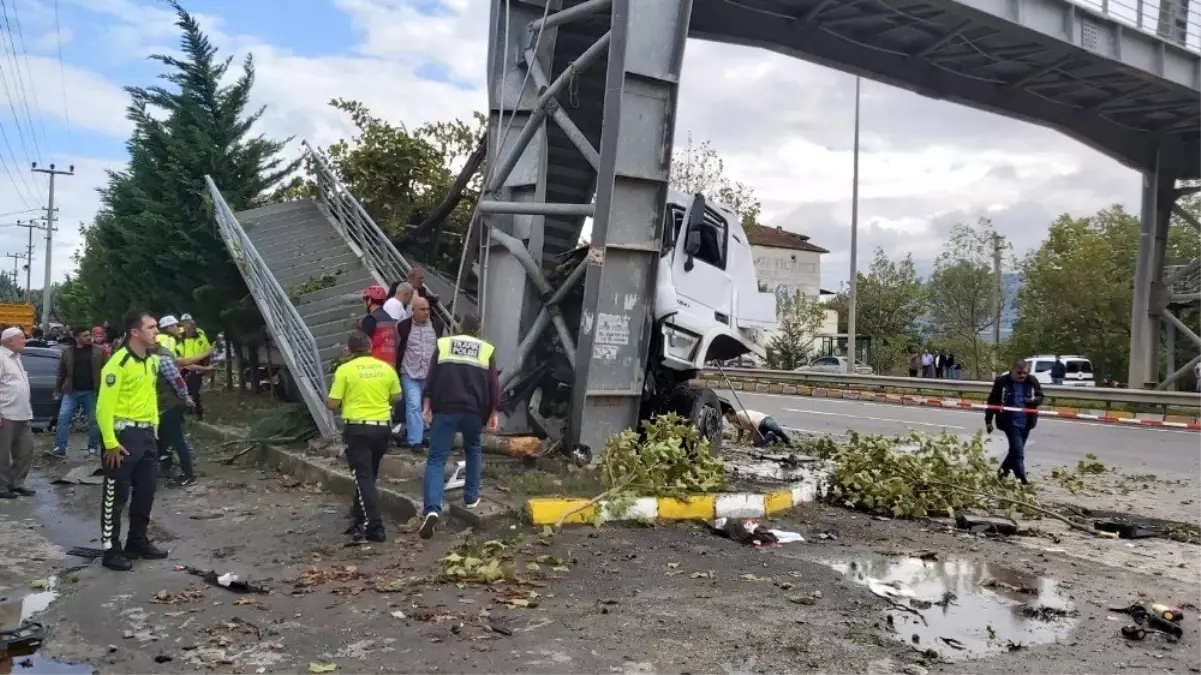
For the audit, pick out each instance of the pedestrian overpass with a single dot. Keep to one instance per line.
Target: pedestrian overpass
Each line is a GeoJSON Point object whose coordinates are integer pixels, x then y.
{"type": "Point", "coordinates": [582, 98]}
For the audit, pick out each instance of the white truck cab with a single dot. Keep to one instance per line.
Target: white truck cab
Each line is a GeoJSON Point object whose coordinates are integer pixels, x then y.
{"type": "Point", "coordinates": [708, 305]}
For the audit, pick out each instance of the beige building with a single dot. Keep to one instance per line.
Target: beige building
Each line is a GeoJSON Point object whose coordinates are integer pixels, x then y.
{"type": "Point", "coordinates": [787, 263]}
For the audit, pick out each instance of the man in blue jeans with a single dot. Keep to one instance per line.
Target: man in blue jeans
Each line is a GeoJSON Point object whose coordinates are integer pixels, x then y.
{"type": "Point", "coordinates": [462, 395]}
{"type": "Point", "coordinates": [1015, 389]}
{"type": "Point", "coordinates": [416, 342]}
{"type": "Point", "coordinates": [75, 387]}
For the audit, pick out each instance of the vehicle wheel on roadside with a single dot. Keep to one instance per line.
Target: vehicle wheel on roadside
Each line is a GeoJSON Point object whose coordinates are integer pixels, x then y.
{"type": "Point", "coordinates": [705, 414]}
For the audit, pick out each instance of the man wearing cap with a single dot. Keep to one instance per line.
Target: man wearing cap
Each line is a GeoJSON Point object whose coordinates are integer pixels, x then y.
{"type": "Point", "coordinates": [16, 414]}
{"type": "Point", "coordinates": [194, 343]}
{"type": "Point", "coordinates": [379, 325]}
{"type": "Point", "coordinates": [171, 404]}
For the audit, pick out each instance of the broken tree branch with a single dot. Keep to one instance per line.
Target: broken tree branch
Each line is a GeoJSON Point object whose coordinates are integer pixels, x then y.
{"type": "Point", "coordinates": [1017, 502]}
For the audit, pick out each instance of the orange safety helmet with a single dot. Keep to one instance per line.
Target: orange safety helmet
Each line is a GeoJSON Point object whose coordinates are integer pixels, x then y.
{"type": "Point", "coordinates": [375, 292]}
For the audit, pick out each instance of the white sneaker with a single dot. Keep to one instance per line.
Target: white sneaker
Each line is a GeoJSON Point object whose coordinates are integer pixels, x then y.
{"type": "Point", "coordinates": [428, 525]}
{"type": "Point", "coordinates": [472, 505]}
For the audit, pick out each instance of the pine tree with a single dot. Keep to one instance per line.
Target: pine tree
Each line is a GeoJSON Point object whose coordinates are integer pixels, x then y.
{"type": "Point", "coordinates": [154, 244]}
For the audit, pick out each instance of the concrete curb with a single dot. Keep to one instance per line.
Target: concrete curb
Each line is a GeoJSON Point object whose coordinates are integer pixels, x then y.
{"type": "Point", "coordinates": [1064, 412]}
{"type": "Point", "coordinates": [393, 503]}
{"type": "Point", "coordinates": [707, 507]}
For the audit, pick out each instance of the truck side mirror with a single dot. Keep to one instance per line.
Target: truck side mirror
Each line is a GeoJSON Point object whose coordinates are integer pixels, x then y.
{"type": "Point", "coordinates": [692, 232]}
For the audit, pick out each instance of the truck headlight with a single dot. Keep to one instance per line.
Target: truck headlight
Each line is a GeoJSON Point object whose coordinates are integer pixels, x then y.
{"type": "Point", "coordinates": [678, 343]}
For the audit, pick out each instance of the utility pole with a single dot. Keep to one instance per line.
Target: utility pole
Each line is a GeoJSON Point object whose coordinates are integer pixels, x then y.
{"type": "Point", "coordinates": [852, 300]}
{"type": "Point", "coordinates": [31, 226]}
{"type": "Point", "coordinates": [998, 300]}
{"type": "Point", "coordinates": [52, 172]}
{"type": "Point", "coordinates": [16, 266]}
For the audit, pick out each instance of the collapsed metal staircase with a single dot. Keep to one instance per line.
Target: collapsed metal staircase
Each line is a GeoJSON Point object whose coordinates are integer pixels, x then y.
{"type": "Point", "coordinates": [306, 263]}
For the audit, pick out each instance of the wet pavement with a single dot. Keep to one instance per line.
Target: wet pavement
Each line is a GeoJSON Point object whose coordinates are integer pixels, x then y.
{"type": "Point", "coordinates": [616, 599]}
{"type": "Point", "coordinates": [960, 609]}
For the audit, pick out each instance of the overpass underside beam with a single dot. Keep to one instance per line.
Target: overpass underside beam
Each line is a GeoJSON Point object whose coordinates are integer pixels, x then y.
{"type": "Point", "coordinates": [1154, 295]}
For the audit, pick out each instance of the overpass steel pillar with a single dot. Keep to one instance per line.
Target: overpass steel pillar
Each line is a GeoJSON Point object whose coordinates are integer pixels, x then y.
{"type": "Point", "coordinates": [646, 54]}
{"type": "Point", "coordinates": [515, 175]}
{"type": "Point", "coordinates": [1150, 307]}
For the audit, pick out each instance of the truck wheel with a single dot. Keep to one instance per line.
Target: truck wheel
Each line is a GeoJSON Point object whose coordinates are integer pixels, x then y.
{"type": "Point", "coordinates": [705, 415]}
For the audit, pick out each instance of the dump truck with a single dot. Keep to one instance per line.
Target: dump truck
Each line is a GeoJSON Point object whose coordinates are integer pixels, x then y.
{"type": "Point", "coordinates": [17, 314]}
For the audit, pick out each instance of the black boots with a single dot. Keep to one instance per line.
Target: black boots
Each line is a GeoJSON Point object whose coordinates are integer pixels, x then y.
{"type": "Point", "coordinates": [114, 559]}
{"type": "Point", "coordinates": [143, 549]}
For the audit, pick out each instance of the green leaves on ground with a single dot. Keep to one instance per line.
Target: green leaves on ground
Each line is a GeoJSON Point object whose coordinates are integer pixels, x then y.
{"type": "Point", "coordinates": [672, 461]}
{"type": "Point", "coordinates": [917, 476]}
{"type": "Point", "coordinates": [486, 562]}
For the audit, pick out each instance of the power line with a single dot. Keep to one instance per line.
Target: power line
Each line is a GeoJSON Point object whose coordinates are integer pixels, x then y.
{"type": "Point", "coordinates": [50, 228]}
{"type": "Point", "coordinates": [21, 77]}
{"type": "Point", "coordinates": [62, 74]}
{"type": "Point", "coordinates": [5, 166]}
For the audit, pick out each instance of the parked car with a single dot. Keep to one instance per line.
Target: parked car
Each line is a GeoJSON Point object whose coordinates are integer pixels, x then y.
{"type": "Point", "coordinates": [1079, 369]}
{"type": "Point", "coordinates": [834, 364]}
{"type": "Point", "coordinates": [41, 363]}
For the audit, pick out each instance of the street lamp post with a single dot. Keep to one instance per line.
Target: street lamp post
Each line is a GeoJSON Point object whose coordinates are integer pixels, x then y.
{"type": "Point", "coordinates": [852, 300]}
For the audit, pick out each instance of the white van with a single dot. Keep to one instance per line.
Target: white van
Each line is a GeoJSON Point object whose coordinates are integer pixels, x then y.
{"type": "Point", "coordinates": [1079, 369]}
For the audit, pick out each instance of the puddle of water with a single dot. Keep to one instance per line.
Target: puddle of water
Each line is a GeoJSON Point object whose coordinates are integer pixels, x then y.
{"type": "Point", "coordinates": [992, 608]}
{"type": "Point", "coordinates": [24, 658]}
{"type": "Point", "coordinates": [35, 664]}
{"type": "Point", "coordinates": [15, 611]}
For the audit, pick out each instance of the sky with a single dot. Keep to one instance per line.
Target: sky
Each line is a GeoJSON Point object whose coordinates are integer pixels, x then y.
{"type": "Point", "coordinates": [783, 126]}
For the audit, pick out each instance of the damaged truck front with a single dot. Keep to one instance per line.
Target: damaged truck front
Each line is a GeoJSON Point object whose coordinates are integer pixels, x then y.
{"type": "Point", "coordinates": [707, 308]}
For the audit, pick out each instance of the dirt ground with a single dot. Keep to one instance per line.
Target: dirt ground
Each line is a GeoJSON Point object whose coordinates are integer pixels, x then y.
{"type": "Point", "coordinates": [673, 598]}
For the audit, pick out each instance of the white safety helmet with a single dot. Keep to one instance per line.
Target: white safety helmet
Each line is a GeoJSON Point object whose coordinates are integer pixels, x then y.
{"type": "Point", "coordinates": [167, 322]}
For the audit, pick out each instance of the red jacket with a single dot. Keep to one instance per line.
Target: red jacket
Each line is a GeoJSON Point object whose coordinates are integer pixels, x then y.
{"type": "Point", "coordinates": [381, 328]}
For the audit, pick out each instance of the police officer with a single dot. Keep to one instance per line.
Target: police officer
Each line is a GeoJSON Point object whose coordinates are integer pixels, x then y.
{"type": "Point", "coordinates": [462, 394]}
{"type": "Point", "coordinates": [378, 325]}
{"type": "Point", "coordinates": [194, 344]}
{"type": "Point", "coordinates": [173, 405]}
{"type": "Point", "coordinates": [127, 412]}
{"type": "Point", "coordinates": [365, 388]}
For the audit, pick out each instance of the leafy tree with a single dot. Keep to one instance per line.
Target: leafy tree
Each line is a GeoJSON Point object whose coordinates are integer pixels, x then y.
{"type": "Point", "coordinates": [800, 321]}
{"type": "Point", "coordinates": [698, 168]}
{"type": "Point", "coordinates": [961, 292]}
{"type": "Point", "coordinates": [1077, 288]}
{"type": "Point", "coordinates": [10, 291]}
{"type": "Point", "coordinates": [890, 299]}
{"type": "Point", "coordinates": [401, 176]}
{"type": "Point", "coordinates": [153, 243]}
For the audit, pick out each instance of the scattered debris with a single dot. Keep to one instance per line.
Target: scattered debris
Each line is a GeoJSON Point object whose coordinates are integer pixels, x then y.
{"type": "Point", "coordinates": [82, 475]}
{"type": "Point", "coordinates": [317, 667]}
{"type": "Point", "coordinates": [228, 581]}
{"type": "Point", "coordinates": [751, 533]}
{"type": "Point", "coordinates": [191, 594]}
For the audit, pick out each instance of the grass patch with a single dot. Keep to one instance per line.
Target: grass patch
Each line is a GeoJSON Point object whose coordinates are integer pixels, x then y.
{"type": "Point", "coordinates": [536, 482]}
{"type": "Point", "coordinates": [236, 408]}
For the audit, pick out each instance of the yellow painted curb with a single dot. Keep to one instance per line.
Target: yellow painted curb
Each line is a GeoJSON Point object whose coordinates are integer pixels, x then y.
{"type": "Point", "coordinates": [706, 507]}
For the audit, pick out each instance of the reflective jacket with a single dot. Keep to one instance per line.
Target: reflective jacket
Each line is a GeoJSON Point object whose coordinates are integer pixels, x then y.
{"type": "Point", "coordinates": [463, 377]}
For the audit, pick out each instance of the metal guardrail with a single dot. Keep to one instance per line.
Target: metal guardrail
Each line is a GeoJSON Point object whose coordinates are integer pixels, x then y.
{"type": "Point", "coordinates": [365, 238]}
{"type": "Point", "coordinates": [1177, 21]}
{"type": "Point", "coordinates": [1107, 395]}
{"type": "Point", "coordinates": [293, 338]}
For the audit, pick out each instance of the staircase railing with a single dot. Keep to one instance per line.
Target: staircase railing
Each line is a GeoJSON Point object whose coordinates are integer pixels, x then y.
{"type": "Point", "coordinates": [364, 237]}
{"type": "Point", "coordinates": [1183, 280]}
{"type": "Point", "coordinates": [294, 340]}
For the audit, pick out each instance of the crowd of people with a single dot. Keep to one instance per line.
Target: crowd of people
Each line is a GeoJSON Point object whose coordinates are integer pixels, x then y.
{"type": "Point", "coordinates": [134, 387]}
{"type": "Point", "coordinates": [935, 364]}
{"type": "Point", "coordinates": [402, 370]}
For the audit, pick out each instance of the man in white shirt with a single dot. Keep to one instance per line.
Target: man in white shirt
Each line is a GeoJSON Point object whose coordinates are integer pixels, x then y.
{"type": "Point", "coordinates": [760, 428]}
{"type": "Point", "coordinates": [16, 415]}
{"type": "Point", "coordinates": [398, 306]}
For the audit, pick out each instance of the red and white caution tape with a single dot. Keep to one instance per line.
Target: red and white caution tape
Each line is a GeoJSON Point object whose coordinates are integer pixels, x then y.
{"type": "Point", "coordinates": [972, 405]}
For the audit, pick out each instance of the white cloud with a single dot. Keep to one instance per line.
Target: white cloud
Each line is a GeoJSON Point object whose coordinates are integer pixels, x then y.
{"type": "Point", "coordinates": [783, 126]}
{"type": "Point", "coordinates": [75, 201]}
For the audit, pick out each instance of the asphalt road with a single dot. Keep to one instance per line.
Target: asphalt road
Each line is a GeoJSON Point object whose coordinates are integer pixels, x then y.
{"type": "Point", "coordinates": [1166, 452]}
